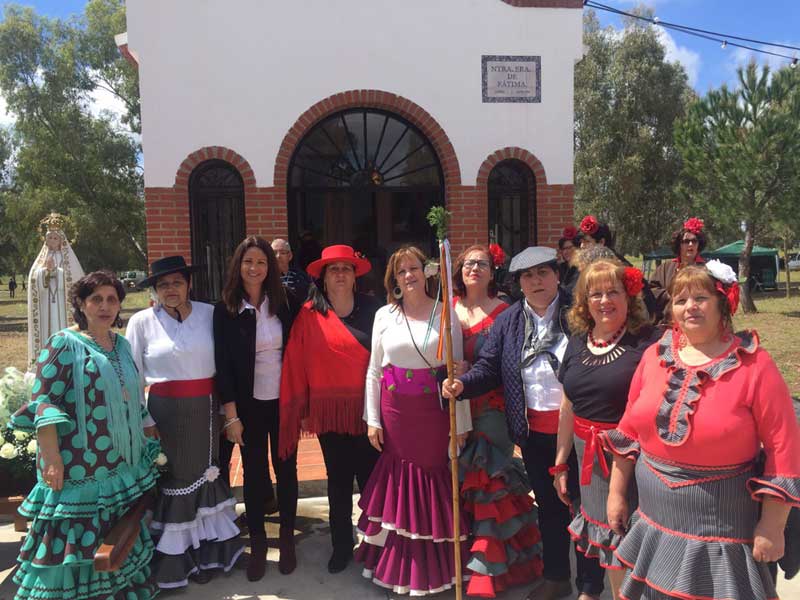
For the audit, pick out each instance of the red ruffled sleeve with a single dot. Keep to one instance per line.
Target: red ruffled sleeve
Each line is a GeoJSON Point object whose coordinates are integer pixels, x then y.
{"type": "Point", "coordinates": [777, 427]}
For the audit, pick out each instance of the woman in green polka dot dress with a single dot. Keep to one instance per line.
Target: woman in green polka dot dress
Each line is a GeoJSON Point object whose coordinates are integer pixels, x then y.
{"type": "Point", "coordinates": [95, 458]}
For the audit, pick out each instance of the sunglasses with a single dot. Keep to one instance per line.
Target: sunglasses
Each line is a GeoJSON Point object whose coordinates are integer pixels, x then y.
{"type": "Point", "coordinates": [689, 242]}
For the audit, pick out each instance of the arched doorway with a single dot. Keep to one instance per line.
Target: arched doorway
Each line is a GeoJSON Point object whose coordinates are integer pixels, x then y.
{"type": "Point", "coordinates": [216, 203]}
{"type": "Point", "coordinates": [512, 206]}
{"type": "Point", "coordinates": [364, 177]}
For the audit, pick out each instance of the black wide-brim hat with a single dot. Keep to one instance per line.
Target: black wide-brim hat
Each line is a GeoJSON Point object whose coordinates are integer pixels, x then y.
{"type": "Point", "coordinates": [166, 266]}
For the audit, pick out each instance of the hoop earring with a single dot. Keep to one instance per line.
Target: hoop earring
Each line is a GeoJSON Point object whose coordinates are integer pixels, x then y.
{"type": "Point", "coordinates": [397, 292]}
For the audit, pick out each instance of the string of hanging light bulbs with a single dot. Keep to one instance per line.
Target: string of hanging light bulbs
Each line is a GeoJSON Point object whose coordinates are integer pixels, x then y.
{"type": "Point", "coordinates": [724, 40]}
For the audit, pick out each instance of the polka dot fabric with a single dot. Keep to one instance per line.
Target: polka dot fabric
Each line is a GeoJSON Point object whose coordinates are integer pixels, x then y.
{"type": "Point", "coordinates": [68, 525]}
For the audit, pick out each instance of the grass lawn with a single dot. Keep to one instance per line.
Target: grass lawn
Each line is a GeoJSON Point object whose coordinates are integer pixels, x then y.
{"type": "Point", "coordinates": [777, 322]}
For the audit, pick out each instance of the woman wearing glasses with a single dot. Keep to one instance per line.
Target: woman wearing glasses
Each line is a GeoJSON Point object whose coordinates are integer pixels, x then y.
{"type": "Point", "coordinates": [505, 545]}
{"type": "Point", "coordinates": [687, 244]}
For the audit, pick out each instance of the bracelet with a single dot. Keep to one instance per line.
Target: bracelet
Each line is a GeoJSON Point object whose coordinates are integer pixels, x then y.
{"type": "Point", "coordinates": [229, 422]}
{"type": "Point", "coordinates": [556, 469]}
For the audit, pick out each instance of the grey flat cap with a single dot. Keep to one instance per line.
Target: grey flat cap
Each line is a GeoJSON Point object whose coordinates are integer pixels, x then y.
{"type": "Point", "coordinates": [531, 257]}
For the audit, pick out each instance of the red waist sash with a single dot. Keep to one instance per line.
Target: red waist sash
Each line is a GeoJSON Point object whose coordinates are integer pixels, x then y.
{"type": "Point", "coordinates": [588, 431]}
{"type": "Point", "coordinates": [184, 389]}
{"type": "Point", "coordinates": [543, 421]}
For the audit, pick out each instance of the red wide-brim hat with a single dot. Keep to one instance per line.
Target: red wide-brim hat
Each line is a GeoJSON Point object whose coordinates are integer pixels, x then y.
{"type": "Point", "coordinates": [339, 253]}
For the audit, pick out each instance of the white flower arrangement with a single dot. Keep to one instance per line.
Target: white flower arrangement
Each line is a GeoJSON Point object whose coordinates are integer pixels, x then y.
{"type": "Point", "coordinates": [161, 459]}
{"type": "Point", "coordinates": [17, 448]}
{"type": "Point", "coordinates": [15, 390]}
{"type": "Point", "coordinates": [721, 272]}
{"type": "Point", "coordinates": [8, 451]}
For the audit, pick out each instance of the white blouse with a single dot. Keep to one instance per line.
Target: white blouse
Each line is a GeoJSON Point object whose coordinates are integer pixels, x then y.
{"type": "Point", "coordinates": [392, 344]}
{"type": "Point", "coordinates": [269, 352]}
{"type": "Point", "coordinates": [166, 350]}
{"type": "Point", "coordinates": [542, 389]}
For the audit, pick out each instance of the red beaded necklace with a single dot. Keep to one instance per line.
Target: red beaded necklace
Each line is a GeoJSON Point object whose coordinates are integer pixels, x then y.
{"type": "Point", "coordinates": [613, 340]}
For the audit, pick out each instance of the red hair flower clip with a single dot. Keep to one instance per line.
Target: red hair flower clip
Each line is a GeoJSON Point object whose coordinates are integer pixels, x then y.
{"type": "Point", "coordinates": [694, 225]}
{"type": "Point", "coordinates": [569, 233]}
{"type": "Point", "coordinates": [633, 280]}
{"type": "Point", "coordinates": [589, 225]}
{"type": "Point", "coordinates": [498, 256]}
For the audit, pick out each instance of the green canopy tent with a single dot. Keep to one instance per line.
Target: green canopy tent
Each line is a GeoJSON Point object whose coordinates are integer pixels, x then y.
{"type": "Point", "coordinates": [763, 263]}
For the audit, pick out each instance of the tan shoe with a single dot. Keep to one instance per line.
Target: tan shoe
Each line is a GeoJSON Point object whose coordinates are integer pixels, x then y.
{"type": "Point", "coordinates": [550, 590]}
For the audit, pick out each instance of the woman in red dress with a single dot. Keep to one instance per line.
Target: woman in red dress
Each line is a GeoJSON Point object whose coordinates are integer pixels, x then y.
{"type": "Point", "coordinates": [506, 544]}
{"type": "Point", "coordinates": [704, 405]}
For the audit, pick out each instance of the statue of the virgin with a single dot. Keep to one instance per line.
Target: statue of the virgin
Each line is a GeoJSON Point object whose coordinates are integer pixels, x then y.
{"type": "Point", "coordinates": [53, 272]}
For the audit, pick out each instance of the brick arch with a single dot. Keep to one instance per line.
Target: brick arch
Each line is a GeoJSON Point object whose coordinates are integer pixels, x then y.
{"type": "Point", "coordinates": [399, 105]}
{"type": "Point", "coordinates": [196, 158]}
{"type": "Point", "coordinates": [511, 153]}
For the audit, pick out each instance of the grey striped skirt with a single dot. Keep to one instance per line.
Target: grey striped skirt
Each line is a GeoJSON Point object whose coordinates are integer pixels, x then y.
{"type": "Point", "coordinates": [692, 535]}
{"type": "Point", "coordinates": [589, 528]}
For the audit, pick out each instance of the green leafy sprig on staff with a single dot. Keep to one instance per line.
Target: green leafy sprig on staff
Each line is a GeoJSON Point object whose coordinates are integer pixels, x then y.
{"type": "Point", "coordinates": [439, 218]}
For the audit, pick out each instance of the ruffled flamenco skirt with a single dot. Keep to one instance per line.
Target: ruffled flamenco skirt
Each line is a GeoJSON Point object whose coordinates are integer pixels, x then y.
{"type": "Point", "coordinates": [692, 535]}
{"type": "Point", "coordinates": [57, 556]}
{"type": "Point", "coordinates": [407, 510]}
{"type": "Point", "coordinates": [194, 517]}
{"type": "Point", "coordinates": [506, 542]}
{"type": "Point", "coordinates": [589, 528]}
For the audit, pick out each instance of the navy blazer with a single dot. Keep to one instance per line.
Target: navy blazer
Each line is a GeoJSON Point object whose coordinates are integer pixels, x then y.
{"type": "Point", "coordinates": [498, 363]}
{"type": "Point", "coordinates": [235, 348]}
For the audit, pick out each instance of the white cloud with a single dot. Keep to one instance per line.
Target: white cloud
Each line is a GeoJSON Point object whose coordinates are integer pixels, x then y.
{"type": "Point", "coordinates": [681, 54]}
{"type": "Point", "coordinates": [103, 101]}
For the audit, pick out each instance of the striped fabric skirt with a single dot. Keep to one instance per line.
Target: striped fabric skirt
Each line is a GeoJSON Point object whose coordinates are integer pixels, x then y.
{"type": "Point", "coordinates": [589, 528]}
{"type": "Point", "coordinates": [194, 517]}
{"type": "Point", "coordinates": [692, 535]}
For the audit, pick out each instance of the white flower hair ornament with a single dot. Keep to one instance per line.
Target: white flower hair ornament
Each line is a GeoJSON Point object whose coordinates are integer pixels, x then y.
{"type": "Point", "coordinates": [431, 269]}
{"type": "Point", "coordinates": [726, 282]}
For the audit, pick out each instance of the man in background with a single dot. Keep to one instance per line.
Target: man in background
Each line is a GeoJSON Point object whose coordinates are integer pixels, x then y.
{"type": "Point", "coordinates": [293, 279]}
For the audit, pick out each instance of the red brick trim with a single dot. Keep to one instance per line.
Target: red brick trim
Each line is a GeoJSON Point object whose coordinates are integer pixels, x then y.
{"type": "Point", "coordinates": [220, 153]}
{"type": "Point", "coordinates": [511, 153]}
{"type": "Point", "coordinates": [126, 54]}
{"type": "Point", "coordinates": [545, 3]}
{"type": "Point", "coordinates": [370, 99]}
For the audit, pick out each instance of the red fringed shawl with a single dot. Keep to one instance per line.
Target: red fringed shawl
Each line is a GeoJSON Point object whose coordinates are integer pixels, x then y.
{"type": "Point", "coordinates": [322, 379]}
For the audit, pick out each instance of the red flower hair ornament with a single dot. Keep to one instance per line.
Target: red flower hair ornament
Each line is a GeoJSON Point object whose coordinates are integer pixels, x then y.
{"type": "Point", "coordinates": [498, 256]}
{"type": "Point", "coordinates": [694, 225]}
{"type": "Point", "coordinates": [569, 233]}
{"type": "Point", "coordinates": [589, 225]}
{"type": "Point", "coordinates": [633, 280]}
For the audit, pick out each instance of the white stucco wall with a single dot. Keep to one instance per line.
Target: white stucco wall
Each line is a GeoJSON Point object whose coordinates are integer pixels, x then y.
{"type": "Point", "coordinates": [238, 73]}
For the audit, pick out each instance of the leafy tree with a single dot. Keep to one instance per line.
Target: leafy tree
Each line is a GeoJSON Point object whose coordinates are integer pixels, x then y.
{"type": "Point", "coordinates": [66, 158]}
{"type": "Point", "coordinates": [627, 99]}
{"type": "Point", "coordinates": [741, 155]}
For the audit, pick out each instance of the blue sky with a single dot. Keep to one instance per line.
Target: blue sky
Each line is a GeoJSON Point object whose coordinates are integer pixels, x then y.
{"type": "Point", "coordinates": [706, 63]}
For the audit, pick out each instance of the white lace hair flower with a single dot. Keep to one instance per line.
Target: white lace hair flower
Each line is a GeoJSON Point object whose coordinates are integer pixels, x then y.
{"type": "Point", "coordinates": [721, 272]}
{"type": "Point", "coordinates": [431, 269]}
